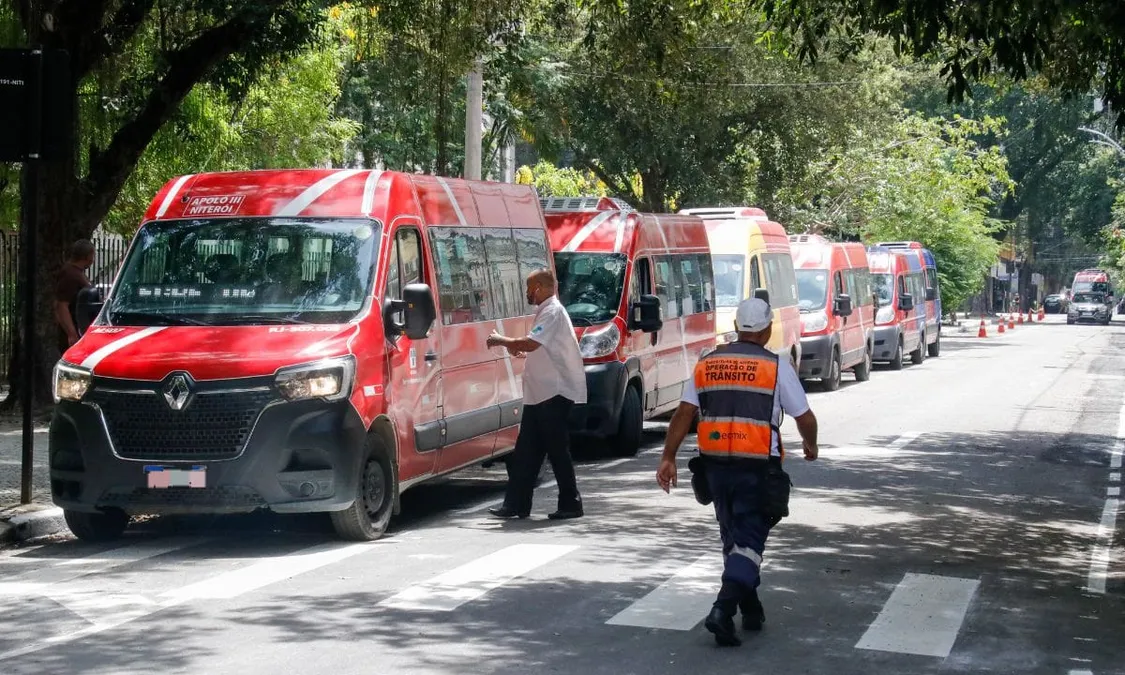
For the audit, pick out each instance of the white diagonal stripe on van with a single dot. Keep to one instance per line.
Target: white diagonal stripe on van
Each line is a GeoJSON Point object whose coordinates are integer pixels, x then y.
{"type": "Point", "coordinates": [447, 592]}
{"type": "Point", "coordinates": [369, 192]}
{"type": "Point", "coordinates": [92, 361]}
{"type": "Point", "coordinates": [314, 192]}
{"type": "Point", "coordinates": [623, 224]}
{"type": "Point", "coordinates": [584, 233]}
{"type": "Point", "coordinates": [171, 196]}
{"type": "Point", "coordinates": [507, 362]}
{"type": "Point", "coordinates": [453, 200]}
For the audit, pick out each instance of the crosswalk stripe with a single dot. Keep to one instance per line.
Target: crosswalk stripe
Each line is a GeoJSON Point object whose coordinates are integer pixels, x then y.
{"type": "Point", "coordinates": [923, 616]}
{"type": "Point", "coordinates": [61, 571]}
{"type": "Point", "coordinates": [680, 602]}
{"type": "Point", "coordinates": [449, 591]}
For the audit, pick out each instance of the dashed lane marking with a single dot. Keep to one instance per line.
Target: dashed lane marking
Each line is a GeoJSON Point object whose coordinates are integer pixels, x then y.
{"type": "Point", "coordinates": [1099, 557]}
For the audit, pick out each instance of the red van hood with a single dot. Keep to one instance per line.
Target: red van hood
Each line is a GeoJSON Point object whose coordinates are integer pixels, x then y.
{"type": "Point", "coordinates": [205, 352]}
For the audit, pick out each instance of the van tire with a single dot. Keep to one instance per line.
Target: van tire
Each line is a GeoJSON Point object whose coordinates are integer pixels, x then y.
{"type": "Point", "coordinates": [368, 516]}
{"type": "Point", "coordinates": [630, 425]}
{"type": "Point", "coordinates": [106, 525]}
{"type": "Point", "coordinates": [832, 380]}
{"type": "Point", "coordinates": [896, 361]}
{"type": "Point", "coordinates": [919, 355]}
{"type": "Point", "coordinates": [862, 369]}
{"type": "Point", "coordinates": [935, 348]}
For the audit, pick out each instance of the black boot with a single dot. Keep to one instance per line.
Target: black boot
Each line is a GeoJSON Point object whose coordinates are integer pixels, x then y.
{"type": "Point", "coordinates": [753, 614]}
{"type": "Point", "coordinates": [721, 626]}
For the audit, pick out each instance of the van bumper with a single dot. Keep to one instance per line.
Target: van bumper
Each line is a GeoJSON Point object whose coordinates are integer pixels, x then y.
{"type": "Point", "coordinates": [605, 391]}
{"type": "Point", "coordinates": [300, 457]}
{"type": "Point", "coordinates": [886, 343]}
{"type": "Point", "coordinates": [816, 355]}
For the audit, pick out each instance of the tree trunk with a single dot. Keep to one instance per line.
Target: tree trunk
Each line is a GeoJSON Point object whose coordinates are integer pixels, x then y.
{"type": "Point", "coordinates": [654, 187]}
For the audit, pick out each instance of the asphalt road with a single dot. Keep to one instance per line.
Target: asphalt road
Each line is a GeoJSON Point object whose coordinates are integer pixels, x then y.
{"type": "Point", "coordinates": [961, 519]}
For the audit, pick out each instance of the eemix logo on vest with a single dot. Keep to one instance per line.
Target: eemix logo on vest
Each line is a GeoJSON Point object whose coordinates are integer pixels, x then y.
{"type": "Point", "coordinates": [729, 436]}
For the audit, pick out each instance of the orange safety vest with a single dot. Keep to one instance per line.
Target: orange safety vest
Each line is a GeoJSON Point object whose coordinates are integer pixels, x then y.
{"type": "Point", "coordinates": [737, 384]}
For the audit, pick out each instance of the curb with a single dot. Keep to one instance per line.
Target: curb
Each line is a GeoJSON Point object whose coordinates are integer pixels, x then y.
{"type": "Point", "coordinates": [21, 527]}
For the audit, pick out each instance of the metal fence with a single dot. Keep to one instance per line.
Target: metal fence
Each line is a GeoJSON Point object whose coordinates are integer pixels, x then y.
{"type": "Point", "coordinates": [110, 250]}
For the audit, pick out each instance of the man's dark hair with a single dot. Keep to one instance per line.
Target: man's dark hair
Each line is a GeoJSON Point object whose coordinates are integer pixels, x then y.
{"type": "Point", "coordinates": [83, 249]}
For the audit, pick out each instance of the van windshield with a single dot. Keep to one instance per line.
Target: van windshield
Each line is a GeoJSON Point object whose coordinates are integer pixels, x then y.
{"type": "Point", "coordinates": [246, 271]}
{"type": "Point", "coordinates": [1091, 287]}
{"type": "Point", "coordinates": [590, 285]}
{"type": "Point", "coordinates": [729, 270]}
{"type": "Point", "coordinates": [883, 286]}
{"type": "Point", "coordinates": [1095, 298]}
{"type": "Point", "coordinates": [812, 289]}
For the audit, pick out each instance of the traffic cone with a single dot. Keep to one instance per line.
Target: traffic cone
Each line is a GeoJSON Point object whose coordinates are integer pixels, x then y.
{"type": "Point", "coordinates": [1011, 323]}
{"type": "Point", "coordinates": [983, 332]}
{"type": "Point", "coordinates": [1001, 329]}
{"type": "Point", "coordinates": [1020, 315]}
{"type": "Point", "coordinates": [1042, 314]}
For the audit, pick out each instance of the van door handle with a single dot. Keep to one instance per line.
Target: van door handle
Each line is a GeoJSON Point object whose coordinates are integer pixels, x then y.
{"type": "Point", "coordinates": [431, 356]}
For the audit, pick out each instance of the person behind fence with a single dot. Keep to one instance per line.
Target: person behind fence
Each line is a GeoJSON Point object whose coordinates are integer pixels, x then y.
{"type": "Point", "coordinates": [740, 390]}
{"type": "Point", "coordinates": [70, 282]}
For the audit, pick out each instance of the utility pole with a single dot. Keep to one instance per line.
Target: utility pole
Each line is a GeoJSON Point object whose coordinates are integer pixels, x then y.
{"type": "Point", "coordinates": [474, 108]}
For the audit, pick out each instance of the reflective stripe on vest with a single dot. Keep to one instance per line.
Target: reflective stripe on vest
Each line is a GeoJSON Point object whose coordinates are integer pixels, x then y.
{"type": "Point", "coordinates": [736, 386]}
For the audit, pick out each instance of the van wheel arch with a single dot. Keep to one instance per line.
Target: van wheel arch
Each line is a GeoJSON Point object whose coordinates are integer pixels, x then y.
{"type": "Point", "coordinates": [384, 429]}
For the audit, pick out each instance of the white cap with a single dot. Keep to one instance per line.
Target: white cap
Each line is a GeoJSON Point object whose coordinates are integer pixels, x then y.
{"type": "Point", "coordinates": [753, 315]}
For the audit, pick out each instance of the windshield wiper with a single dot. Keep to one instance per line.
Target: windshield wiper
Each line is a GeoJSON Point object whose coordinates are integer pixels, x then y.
{"type": "Point", "coordinates": [249, 319]}
{"type": "Point", "coordinates": [170, 319]}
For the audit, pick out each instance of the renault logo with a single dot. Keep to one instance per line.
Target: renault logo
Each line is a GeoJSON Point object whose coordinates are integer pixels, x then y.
{"type": "Point", "coordinates": [177, 392]}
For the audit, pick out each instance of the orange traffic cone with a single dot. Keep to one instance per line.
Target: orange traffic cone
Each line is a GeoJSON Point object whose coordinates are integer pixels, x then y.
{"type": "Point", "coordinates": [1031, 317]}
{"type": "Point", "coordinates": [1020, 315]}
{"type": "Point", "coordinates": [982, 332]}
{"type": "Point", "coordinates": [1001, 329]}
{"type": "Point", "coordinates": [1042, 314]}
{"type": "Point", "coordinates": [1011, 323]}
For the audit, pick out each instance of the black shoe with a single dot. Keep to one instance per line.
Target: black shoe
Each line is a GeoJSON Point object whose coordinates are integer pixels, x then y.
{"type": "Point", "coordinates": [753, 614]}
{"type": "Point", "coordinates": [721, 626]}
{"type": "Point", "coordinates": [566, 514]}
{"type": "Point", "coordinates": [506, 513]}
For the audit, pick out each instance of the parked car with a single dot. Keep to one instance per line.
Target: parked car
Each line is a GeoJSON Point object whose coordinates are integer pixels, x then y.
{"type": "Point", "coordinates": [837, 309]}
{"type": "Point", "coordinates": [640, 292]}
{"type": "Point", "coordinates": [1056, 303]}
{"type": "Point", "coordinates": [300, 341]}
{"type": "Point", "coordinates": [1089, 306]}
{"type": "Point", "coordinates": [896, 279]}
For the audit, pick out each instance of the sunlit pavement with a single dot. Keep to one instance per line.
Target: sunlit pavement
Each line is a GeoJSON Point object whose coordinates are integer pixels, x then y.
{"type": "Point", "coordinates": [961, 519]}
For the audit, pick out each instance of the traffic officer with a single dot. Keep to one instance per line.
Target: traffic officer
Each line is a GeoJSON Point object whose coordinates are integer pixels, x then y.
{"type": "Point", "coordinates": [741, 391]}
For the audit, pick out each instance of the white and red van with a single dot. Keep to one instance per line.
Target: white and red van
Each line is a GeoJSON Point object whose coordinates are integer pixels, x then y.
{"type": "Point", "coordinates": [837, 309]}
{"type": "Point", "coordinates": [639, 290]}
{"type": "Point", "coordinates": [298, 340]}
{"type": "Point", "coordinates": [897, 278]}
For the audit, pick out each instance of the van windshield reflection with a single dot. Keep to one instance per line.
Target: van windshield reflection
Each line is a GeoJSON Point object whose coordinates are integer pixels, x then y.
{"type": "Point", "coordinates": [590, 285]}
{"type": "Point", "coordinates": [883, 286]}
{"type": "Point", "coordinates": [812, 289]}
{"type": "Point", "coordinates": [729, 271]}
{"type": "Point", "coordinates": [246, 271]}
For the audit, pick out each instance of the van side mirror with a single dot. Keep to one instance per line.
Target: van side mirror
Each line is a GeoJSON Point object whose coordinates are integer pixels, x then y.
{"type": "Point", "coordinates": [843, 305]}
{"type": "Point", "coordinates": [762, 294]}
{"type": "Point", "coordinates": [87, 307]}
{"type": "Point", "coordinates": [931, 294]}
{"type": "Point", "coordinates": [906, 302]}
{"type": "Point", "coordinates": [418, 313]}
{"type": "Point", "coordinates": [646, 314]}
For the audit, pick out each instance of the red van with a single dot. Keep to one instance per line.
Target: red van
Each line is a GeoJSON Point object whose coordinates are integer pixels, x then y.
{"type": "Point", "coordinates": [837, 309]}
{"type": "Point", "coordinates": [300, 341]}
{"type": "Point", "coordinates": [897, 278]}
{"type": "Point", "coordinates": [640, 291]}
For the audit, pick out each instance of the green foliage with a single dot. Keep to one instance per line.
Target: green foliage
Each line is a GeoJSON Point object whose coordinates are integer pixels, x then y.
{"type": "Point", "coordinates": [550, 181]}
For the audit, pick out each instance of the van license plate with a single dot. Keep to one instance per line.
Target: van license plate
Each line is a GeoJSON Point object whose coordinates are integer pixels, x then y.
{"type": "Point", "coordinates": [165, 477]}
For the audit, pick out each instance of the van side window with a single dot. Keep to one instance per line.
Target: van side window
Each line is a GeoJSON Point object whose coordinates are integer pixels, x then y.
{"type": "Point", "coordinates": [394, 274]}
{"type": "Point", "coordinates": [410, 253]}
{"type": "Point", "coordinates": [462, 276]}
{"type": "Point", "coordinates": [693, 284]}
{"type": "Point", "coordinates": [507, 296]}
{"type": "Point", "coordinates": [667, 288]}
{"type": "Point", "coordinates": [781, 279]}
{"type": "Point", "coordinates": [707, 276]}
{"type": "Point", "coordinates": [641, 281]}
{"type": "Point", "coordinates": [531, 253]}
{"type": "Point", "coordinates": [838, 287]}
{"type": "Point", "coordinates": [755, 276]}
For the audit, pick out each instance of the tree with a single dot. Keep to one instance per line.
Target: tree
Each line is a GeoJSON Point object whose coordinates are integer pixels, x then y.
{"type": "Point", "coordinates": [550, 181]}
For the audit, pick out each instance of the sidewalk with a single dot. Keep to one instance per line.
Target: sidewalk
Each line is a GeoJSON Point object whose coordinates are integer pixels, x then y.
{"type": "Point", "coordinates": [40, 518]}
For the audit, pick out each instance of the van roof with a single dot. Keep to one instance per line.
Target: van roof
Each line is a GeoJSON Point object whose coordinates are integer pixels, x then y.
{"type": "Point", "coordinates": [583, 204]}
{"type": "Point", "coordinates": [624, 232]}
{"type": "Point", "coordinates": [345, 193]}
{"type": "Point", "coordinates": [817, 252]}
{"type": "Point", "coordinates": [727, 213]}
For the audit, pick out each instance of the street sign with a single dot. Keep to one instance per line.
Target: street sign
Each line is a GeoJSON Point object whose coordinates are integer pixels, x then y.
{"type": "Point", "coordinates": [24, 134]}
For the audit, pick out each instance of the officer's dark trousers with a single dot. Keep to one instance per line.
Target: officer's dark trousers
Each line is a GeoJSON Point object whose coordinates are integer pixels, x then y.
{"type": "Point", "coordinates": [543, 432]}
{"type": "Point", "coordinates": [737, 491]}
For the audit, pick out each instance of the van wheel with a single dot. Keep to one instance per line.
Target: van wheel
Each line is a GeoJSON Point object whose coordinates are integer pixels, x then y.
{"type": "Point", "coordinates": [832, 381]}
{"type": "Point", "coordinates": [627, 441]}
{"type": "Point", "coordinates": [106, 525]}
{"type": "Point", "coordinates": [896, 362]}
{"type": "Point", "coordinates": [863, 369]}
{"type": "Point", "coordinates": [368, 516]}
{"type": "Point", "coordinates": [919, 355]}
{"type": "Point", "coordinates": [935, 348]}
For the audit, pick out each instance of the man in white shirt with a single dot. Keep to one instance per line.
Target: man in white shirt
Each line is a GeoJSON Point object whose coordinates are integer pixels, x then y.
{"type": "Point", "coordinates": [554, 379]}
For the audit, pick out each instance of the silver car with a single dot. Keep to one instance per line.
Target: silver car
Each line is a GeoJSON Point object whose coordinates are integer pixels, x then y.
{"type": "Point", "coordinates": [1093, 307]}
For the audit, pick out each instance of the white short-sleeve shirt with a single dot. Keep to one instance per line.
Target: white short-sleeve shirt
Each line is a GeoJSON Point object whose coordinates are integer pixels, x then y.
{"type": "Point", "coordinates": [556, 368]}
{"type": "Point", "coordinates": [790, 397]}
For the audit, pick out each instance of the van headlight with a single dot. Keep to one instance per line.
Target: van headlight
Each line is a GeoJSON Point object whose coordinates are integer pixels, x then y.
{"type": "Point", "coordinates": [330, 379]}
{"type": "Point", "coordinates": [815, 322]}
{"type": "Point", "coordinates": [601, 342]}
{"type": "Point", "coordinates": [71, 382]}
{"type": "Point", "coordinates": [886, 314]}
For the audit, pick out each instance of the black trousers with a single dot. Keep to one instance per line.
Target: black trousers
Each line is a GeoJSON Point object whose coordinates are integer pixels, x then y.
{"type": "Point", "coordinates": [543, 433]}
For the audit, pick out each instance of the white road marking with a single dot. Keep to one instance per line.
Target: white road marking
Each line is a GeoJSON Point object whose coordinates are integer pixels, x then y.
{"type": "Point", "coordinates": [224, 586]}
{"type": "Point", "coordinates": [1099, 557]}
{"type": "Point", "coordinates": [923, 616]}
{"type": "Point", "coordinates": [100, 355]}
{"type": "Point", "coordinates": [171, 196]}
{"type": "Point", "coordinates": [1115, 477]}
{"type": "Point", "coordinates": [610, 465]}
{"type": "Point", "coordinates": [1081, 672]}
{"type": "Point", "coordinates": [680, 602]}
{"type": "Point", "coordinates": [62, 571]}
{"type": "Point", "coordinates": [1115, 455]}
{"type": "Point", "coordinates": [1113, 492]}
{"type": "Point", "coordinates": [315, 192]}
{"type": "Point", "coordinates": [904, 440]}
{"type": "Point", "coordinates": [497, 502]}
{"type": "Point", "coordinates": [449, 591]}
